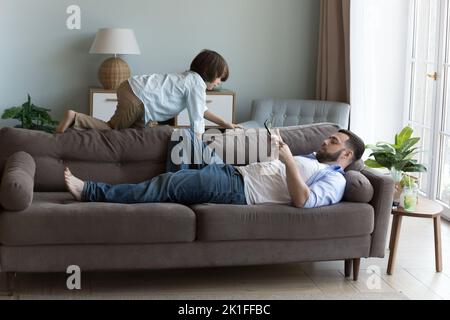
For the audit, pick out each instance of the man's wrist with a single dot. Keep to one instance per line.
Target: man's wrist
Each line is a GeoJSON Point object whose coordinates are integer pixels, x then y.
{"type": "Point", "coordinates": [289, 161]}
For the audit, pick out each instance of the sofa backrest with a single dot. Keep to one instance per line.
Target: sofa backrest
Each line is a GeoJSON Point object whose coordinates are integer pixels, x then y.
{"type": "Point", "coordinates": [302, 140]}
{"type": "Point", "coordinates": [290, 112]}
{"type": "Point", "coordinates": [126, 156]}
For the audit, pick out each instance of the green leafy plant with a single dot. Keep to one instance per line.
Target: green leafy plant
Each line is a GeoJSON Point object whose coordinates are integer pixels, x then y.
{"type": "Point", "coordinates": [398, 156]}
{"type": "Point", "coordinates": [31, 117]}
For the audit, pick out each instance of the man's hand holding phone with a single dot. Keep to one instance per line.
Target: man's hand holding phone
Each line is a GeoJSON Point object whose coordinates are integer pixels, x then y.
{"type": "Point", "coordinates": [284, 152]}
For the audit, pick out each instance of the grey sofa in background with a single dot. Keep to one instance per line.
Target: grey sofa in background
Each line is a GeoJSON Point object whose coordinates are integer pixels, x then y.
{"type": "Point", "coordinates": [288, 112]}
{"type": "Point", "coordinates": [42, 229]}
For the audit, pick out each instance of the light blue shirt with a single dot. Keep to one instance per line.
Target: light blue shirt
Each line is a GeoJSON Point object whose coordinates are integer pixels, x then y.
{"type": "Point", "coordinates": [326, 186]}
{"type": "Point", "coordinates": [167, 95]}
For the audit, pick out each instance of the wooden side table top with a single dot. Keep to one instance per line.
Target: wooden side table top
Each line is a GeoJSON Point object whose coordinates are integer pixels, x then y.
{"type": "Point", "coordinates": [425, 208]}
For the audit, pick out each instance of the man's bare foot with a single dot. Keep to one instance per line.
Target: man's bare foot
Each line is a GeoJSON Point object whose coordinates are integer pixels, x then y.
{"type": "Point", "coordinates": [67, 121]}
{"type": "Point", "coordinates": [73, 184]}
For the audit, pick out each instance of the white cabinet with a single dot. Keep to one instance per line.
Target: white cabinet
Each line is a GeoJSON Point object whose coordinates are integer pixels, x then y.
{"type": "Point", "coordinates": [221, 103]}
{"type": "Point", "coordinates": [103, 103]}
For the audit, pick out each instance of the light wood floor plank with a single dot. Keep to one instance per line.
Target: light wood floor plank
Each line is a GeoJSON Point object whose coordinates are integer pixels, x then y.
{"type": "Point", "coordinates": [438, 282]}
{"type": "Point", "coordinates": [404, 282]}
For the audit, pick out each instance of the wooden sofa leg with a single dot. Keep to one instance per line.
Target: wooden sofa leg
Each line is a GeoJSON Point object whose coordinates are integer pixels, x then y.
{"type": "Point", "coordinates": [356, 263]}
{"type": "Point", "coordinates": [7, 283]}
{"type": "Point", "coordinates": [348, 267]}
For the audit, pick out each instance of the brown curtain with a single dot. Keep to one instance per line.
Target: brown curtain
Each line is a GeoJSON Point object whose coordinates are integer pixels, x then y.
{"type": "Point", "coordinates": [333, 74]}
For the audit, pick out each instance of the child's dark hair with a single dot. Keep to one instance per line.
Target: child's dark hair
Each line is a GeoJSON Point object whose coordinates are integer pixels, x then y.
{"type": "Point", "coordinates": [355, 143]}
{"type": "Point", "coordinates": [210, 65]}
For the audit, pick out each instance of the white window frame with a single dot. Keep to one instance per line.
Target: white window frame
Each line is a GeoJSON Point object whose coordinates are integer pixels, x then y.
{"type": "Point", "coordinates": [437, 129]}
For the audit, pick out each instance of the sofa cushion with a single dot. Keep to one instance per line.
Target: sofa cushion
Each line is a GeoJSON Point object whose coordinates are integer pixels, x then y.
{"type": "Point", "coordinates": [358, 188]}
{"type": "Point", "coordinates": [356, 166]}
{"type": "Point", "coordinates": [282, 222]}
{"type": "Point", "coordinates": [55, 218]}
{"type": "Point", "coordinates": [16, 189]}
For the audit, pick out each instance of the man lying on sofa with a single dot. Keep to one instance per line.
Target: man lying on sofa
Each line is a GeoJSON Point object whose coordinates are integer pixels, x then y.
{"type": "Point", "coordinates": [302, 181]}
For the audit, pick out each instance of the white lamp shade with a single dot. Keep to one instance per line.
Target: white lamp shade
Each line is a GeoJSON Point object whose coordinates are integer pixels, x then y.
{"type": "Point", "coordinates": [115, 41]}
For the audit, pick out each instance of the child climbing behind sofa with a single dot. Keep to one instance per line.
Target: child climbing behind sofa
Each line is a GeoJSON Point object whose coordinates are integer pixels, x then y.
{"type": "Point", "coordinates": [147, 100]}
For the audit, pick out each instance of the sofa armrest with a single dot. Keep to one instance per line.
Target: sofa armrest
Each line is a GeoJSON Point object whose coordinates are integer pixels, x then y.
{"type": "Point", "coordinates": [17, 183]}
{"type": "Point", "coordinates": [383, 186]}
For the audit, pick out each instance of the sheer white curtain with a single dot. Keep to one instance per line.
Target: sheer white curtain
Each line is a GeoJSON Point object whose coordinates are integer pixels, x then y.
{"type": "Point", "coordinates": [378, 37]}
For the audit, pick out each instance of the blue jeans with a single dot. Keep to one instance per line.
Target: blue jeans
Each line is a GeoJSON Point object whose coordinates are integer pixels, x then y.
{"type": "Point", "coordinates": [214, 183]}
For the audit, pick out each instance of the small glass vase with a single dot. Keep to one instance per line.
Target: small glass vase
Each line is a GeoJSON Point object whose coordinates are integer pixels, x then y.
{"type": "Point", "coordinates": [409, 198]}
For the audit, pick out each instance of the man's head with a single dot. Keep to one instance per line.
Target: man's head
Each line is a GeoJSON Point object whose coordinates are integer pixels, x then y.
{"type": "Point", "coordinates": [343, 147]}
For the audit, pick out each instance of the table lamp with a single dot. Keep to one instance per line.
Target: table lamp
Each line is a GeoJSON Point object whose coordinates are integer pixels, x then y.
{"type": "Point", "coordinates": [114, 41]}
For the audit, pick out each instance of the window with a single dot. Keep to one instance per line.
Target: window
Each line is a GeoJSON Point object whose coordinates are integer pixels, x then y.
{"type": "Point", "coordinates": [428, 93]}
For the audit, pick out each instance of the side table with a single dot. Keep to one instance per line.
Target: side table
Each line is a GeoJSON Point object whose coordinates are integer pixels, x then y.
{"type": "Point", "coordinates": [425, 209]}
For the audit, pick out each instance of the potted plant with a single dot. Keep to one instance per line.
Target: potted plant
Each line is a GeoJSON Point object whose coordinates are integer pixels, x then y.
{"type": "Point", "coordinates": [397, 157]}
{"type": "Point", "coordinates": [31, 117]}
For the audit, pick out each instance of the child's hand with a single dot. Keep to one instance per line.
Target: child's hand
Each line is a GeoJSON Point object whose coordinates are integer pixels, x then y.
{"type": "Point", "coordinates": [233, 126]}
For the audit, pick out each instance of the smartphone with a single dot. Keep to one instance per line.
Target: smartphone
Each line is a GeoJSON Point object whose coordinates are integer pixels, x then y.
{"type": "Point", "coordinates": [268, 125]}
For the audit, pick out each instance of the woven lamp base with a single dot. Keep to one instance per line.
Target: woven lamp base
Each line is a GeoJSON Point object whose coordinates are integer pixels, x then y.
{"type": "Point", "coordinates": [113, 72]}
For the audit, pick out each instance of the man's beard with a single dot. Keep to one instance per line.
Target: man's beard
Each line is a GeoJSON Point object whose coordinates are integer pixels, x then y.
{"type": "Point", "coordinates": [324, 157]}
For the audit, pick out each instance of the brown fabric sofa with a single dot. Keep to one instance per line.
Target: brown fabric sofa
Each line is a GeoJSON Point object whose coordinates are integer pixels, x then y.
{"type": "Point", "coordinates": [52, 231]}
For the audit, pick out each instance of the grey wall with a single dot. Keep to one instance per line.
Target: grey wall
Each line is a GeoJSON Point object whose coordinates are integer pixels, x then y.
{"type": "Point", "coordinates": [271, 46]}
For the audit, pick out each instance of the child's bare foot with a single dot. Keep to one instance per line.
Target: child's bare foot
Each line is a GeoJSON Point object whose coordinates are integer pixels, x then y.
{"type": "Point", "coordinates": [66, 122]}
{"type": "Point", "coordinates": [73, 184]}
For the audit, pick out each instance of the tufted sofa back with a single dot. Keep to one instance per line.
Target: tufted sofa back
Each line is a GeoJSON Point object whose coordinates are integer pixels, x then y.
{"type": "Point", "coordinates": [285, 112]}
{"type": "Point", "coordinates": [127, 156]}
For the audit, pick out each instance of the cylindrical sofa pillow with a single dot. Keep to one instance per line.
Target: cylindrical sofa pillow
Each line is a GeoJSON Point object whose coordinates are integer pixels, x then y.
{"type": "Point", "coordinates": [17, 184]}
{"type": "Point", "coordinates": [358, 188]}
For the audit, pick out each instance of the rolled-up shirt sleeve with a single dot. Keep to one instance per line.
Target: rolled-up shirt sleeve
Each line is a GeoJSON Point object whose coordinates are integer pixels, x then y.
{"type": "Point", "coordinates": [327, 191]}
{"type": "Point", "coordinates": [196, 106]}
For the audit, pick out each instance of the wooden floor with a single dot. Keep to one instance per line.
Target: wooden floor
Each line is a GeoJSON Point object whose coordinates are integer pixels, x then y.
{"type": "Point", "coordinates": [414, 278]}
